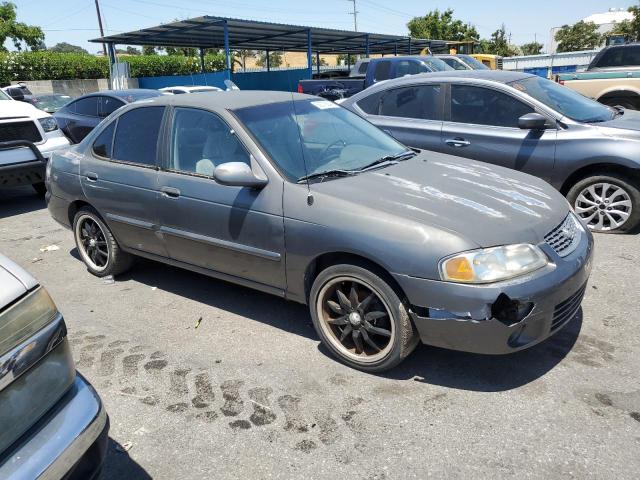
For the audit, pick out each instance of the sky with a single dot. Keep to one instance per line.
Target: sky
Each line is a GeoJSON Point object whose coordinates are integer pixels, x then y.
{"type": "Point", "coordinates": [75, 21]}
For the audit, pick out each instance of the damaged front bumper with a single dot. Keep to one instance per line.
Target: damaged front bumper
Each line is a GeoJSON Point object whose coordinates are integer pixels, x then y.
{"type": "Point", "coordinates": [502, 317]}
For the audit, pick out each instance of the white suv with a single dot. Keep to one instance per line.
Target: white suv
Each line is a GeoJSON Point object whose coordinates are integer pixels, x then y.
{"type": "Point", "coordinates": [23, 126]}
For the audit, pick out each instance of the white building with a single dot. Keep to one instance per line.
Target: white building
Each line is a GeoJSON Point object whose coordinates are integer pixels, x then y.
{"type": "Point", "coordinates": [605, 21]}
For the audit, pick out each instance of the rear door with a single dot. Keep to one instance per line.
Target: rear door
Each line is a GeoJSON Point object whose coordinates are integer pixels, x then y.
{"type": "Point", "coordinates": [119, 176]}
{"type": "Point", "coordinates": [236, 231]}
{"type": "Point", "coordinates": [79, 117]}
{"type": "Point", "coordinates": [411, 113]}
{"type": "Point", "coordinates": [482, 123]}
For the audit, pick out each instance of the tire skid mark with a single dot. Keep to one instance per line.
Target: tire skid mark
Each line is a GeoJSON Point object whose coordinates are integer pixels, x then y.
{"type": "Point", "coordinates": [262, 411]}
{"type": "Point", "coordinates": [233, 404]}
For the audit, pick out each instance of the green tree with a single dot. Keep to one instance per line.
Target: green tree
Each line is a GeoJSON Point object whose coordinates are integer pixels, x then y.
{"type": "Point", "coordinates": [275, 59]}
{"type": "Point", "coordinates": [441, 26]}
{"type": "Point", "coordinates": [240, 57]}
{"type": "Point", "coordinates": [149, 50]}
{"type": "Point", "coordinates": [64, 47]}
{"type": "Point", "coordinates": [18, 32]}
{"type": "Point", "coordinates": [323, 62]}
{"type": "Point", "coordinates": [499, 44]}
{"type": "Point", "coordinates": [532, 48]}
{"type": "Point", "coordinates": [629, 28]}
{"type": "Point", "coordinates": [580, 36]}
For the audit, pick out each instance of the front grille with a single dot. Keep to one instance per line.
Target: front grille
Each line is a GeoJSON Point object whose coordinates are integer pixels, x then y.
{"type": "Point", "coordinates": [20, 131]}
{"type": "Point", "coordinates": [565, 311]}
{"type": "Point", "coordinates": [565, 237]}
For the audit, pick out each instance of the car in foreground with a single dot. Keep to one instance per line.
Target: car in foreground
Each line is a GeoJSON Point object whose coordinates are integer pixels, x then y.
{"type": "Point", "coordinates": [51, 102]}
{"type": "Point", "coordinates": [52, 422]}
{"type": "Point", "coordinates": [79, 117]}
{"type": "Point", "coordinates": [300, 198]}
{"type": "Point", "coordinates": [190, 89]}
{"type": "Point", "coordinates": [28, 137]}
{"type": "Point", "coordinates": [586, 150]}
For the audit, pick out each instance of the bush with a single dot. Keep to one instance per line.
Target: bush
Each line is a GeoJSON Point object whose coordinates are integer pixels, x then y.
{"type": "Point", "coordinates": [44, 65]}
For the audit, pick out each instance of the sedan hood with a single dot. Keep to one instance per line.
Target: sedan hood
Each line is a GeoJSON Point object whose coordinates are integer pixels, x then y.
{"type": "Point", "coordinates": [484, 204]}
{"type": "Point", "coordinates": [623, 125]}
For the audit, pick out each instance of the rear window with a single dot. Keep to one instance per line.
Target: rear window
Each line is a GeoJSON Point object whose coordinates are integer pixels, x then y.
{"type": "Point", "coordinates": [136, 138]}
{"type": "Point", "coordinates": [85, 106]}
{"type": "Point", "coordinates": [382, 72]}
{"type": "Point", "coordinates": [626, 56]}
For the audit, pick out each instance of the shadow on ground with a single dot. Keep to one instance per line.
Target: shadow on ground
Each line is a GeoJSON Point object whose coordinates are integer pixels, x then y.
{"type": "Point", "coordinates": [119, 465]}
{"type": "Point", "coordinates": [15, 201]}
{"type": "Point", "coordinates": [436, 366]}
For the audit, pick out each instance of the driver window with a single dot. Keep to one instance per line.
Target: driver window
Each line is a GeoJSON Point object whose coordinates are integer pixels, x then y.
{"type": "Point", "coordinates": [484, 106]}
{"type": "Point", "coordinates": [201, 141]}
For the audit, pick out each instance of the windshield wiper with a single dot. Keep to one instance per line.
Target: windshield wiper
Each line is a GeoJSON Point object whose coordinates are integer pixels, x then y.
{"type": "Point", "coordinates": [327, 174]}
{"type": "Point", "coordinates": [391, 159]}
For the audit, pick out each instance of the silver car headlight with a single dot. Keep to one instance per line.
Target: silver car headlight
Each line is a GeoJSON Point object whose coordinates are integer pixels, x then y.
{"type": "Point", "coordinates": [48, 124]}
{"type": "Point", "coordinates": [494, 264]}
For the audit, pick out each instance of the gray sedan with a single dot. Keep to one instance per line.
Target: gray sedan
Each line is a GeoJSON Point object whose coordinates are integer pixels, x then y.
{"type": "Point", "coordinates": [296, 196]}
{"type": "Point", "coordinates": [52, 422]}
{"type": "Point", "coordinates": [589, 152]}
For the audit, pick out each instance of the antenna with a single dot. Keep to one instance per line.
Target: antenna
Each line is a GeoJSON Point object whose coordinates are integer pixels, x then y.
{"type": "Point", "coordinates": [354, 13]}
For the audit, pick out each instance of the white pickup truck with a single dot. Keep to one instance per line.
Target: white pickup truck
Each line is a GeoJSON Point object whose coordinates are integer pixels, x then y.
{"type": "Point", "coordinates": [28, 136]}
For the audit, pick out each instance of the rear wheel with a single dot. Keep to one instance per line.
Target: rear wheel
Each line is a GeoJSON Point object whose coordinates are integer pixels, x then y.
{"type": "Point", "coordinates": [360, 318]}
{"type": "Point", "coordinates": [97, 246]}
{"type": "Point", "coordinates": [606, 203]}
{"type": "Point", "coordinates": [631, 103]}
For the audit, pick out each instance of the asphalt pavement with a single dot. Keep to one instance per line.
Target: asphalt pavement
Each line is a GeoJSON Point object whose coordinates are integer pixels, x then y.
{"type": "Point", "coordinates": [205, 379]}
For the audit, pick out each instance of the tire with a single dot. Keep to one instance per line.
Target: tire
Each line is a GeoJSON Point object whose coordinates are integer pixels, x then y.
{"type": "Point", "coordinates": [393, 346]}
{"type": "Point", "coordinates": [40, 188]}
{"type": "Point", "coordinates": [111, 260]}
{"type": "Point", "coordinates": [622, 195]}
{"type": "Point", "coordinates": [631, 103]}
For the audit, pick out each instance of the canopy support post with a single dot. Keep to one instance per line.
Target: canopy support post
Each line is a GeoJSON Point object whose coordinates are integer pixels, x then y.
{"type": "Point", "coordinates": [201, 52]}
{"type": "Point", "coordinates": [366, 46]}
{"type": "Point", "coordinates": [309, 54]}
{"type": "Point", "coordinates": [227, 53]}
{"type": "Point", "coordinates": [266, 53]}
{"type": "Point", "coordinates": [317, 61]}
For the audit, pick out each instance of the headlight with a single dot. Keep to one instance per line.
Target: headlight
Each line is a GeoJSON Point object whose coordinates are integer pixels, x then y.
{"type": "Point", "coordinates": [492, 264]}
{"type": "Point", "coordinates": [24, 318]}
{"type": "Point", "coordinates": [49, 124]}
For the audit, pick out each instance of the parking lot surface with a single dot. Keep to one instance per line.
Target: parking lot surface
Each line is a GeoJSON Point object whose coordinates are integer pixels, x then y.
{"type": "Point", "coordinates": [204, 379]}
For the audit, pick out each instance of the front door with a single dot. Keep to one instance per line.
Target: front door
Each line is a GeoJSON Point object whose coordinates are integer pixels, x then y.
{"type": "Point", "coordinates": [482, 123]}
{"type": "Point", "coordinates": [235, 231]}
{"type": "Point", "coordinates": [119, 177]}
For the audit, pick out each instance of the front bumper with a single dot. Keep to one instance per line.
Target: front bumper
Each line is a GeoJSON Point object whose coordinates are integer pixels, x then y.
{"type": "Point", "coordinates": [460, 317]}
{"type": "Point", "coordinates": [21, 163]}
{"type": "Point", "coordinates": [57, 446]}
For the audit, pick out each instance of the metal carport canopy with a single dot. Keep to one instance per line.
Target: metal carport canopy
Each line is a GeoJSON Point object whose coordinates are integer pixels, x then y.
{"type": "Point", "coordinates": [209, 32]}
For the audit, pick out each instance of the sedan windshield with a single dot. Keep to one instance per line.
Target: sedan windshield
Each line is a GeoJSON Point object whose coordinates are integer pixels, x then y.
{"type": "Point", "coordinates": [473, 63]}
{"type": "Point", "coordinates": [314, 137]}
{"type": "Point", "coordinates": [436, 64]}
{"type": "Point", "coordinates": [564, 100]}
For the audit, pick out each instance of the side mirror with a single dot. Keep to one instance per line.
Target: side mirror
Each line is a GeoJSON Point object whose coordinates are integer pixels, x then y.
{"type": "Point", "coordinates": [532, 121]}
{"type": "Point", "coordinates": [237, 174]}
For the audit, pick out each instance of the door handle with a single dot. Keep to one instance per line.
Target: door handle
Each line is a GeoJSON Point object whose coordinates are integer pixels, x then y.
{"type": "Point", "coordinates": [170, 192]}
{"type": "Point", "coordinates": [457, 142]}
{"type": "Point", "coordinates": [91, 176]}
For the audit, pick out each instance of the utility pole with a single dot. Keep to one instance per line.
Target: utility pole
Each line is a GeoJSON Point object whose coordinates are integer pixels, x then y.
{"type": "Point", "coordinates": [104, 47]}
{"type": "Point", "coordinates": [354, 13]}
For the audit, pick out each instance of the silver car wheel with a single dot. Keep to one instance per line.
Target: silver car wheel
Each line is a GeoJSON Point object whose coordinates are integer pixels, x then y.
{"type": "Point", "coordinates": [355, 319]}
{"type": "Point", "coordinates": [92, 243]}
{"type": "Point", "coordinates": [603, 206]}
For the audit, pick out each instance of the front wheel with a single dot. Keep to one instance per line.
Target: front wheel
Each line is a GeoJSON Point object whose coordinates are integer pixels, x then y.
{"type": "Point", "coordinates": [97, 246]}
{"type": "Point", "coordinates": [360, 318]}
{"type": "Point", "coordinates": [606, 203]}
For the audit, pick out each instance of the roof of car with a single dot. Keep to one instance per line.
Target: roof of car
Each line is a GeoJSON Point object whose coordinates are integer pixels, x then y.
{"type": "Point", "coordinates": [128, 94]}
{"type": "Point", "coordinates": [451, 75]}
{"type": "Point", "coordinates": [231, 100]}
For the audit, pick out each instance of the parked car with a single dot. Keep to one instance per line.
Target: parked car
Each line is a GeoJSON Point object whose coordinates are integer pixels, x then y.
{"type": "Point", "coordinates": [612, 77]}
{"type": "Point", "coordinates": [462, 62]}
{"type": "Point", "coordinates": [586, 150]}
{"type": "Point", "coordinates": [28, 136]}
{"type": "Point", "coordinates": [78, 118]}
{"type": "Point", "coordinates": [19, 92]}
{"type": "Point", "coordinates": [190, 89]}
{"type": "Point", "coordinates": [52, 422]}
{"type": "Point", "coordinates": [377, 70]}
{"type": "Point", "coordinates": [296, 196]}
{"type": "Point", "coordinates": [51, 102]}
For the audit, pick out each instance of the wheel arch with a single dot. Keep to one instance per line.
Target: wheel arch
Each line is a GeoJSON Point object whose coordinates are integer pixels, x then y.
{"type": "Point", "coordinates": [328, 259]}
{"type": "Point", "coordinates": [616, 92]}
{"type": "Point", "coordinates": [74, 207]}
{"type": "Point", "coordinates": [603, 168]}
